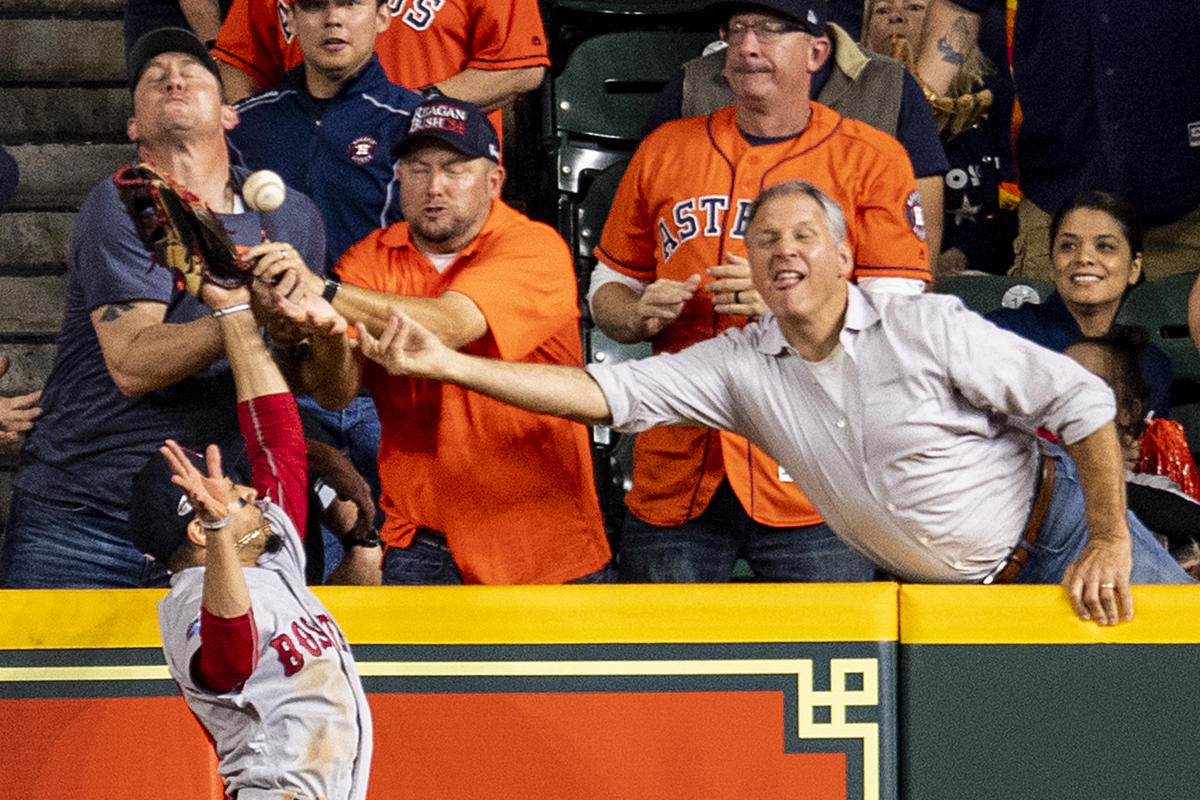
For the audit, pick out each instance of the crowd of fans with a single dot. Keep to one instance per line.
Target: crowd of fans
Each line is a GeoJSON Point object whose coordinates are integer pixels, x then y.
{"type": "Point", "coordinates": [384, 119]}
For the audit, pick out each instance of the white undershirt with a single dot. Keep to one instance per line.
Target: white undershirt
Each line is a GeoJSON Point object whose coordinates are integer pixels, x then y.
{"type": "Point", "coordinates": [830, 373]}
{"type": "Point", "coordinates": [441, 261]}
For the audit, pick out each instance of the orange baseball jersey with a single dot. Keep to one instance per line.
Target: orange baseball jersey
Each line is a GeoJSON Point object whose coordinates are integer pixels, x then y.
{"type": "Point", "coordinates": [512, 491]}
{"type": "Point", "coordinates": [428, 40]}
{"type": "Point", "coordinates": [680, 208]}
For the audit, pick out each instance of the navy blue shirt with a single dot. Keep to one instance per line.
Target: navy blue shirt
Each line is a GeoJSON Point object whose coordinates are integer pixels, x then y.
{"type": "Point", "coordinates": [91, 439]}
{"type": "Point", "coordinates": [1051, 325]}
{"type": "Point", "coordinates": [336, 150]}
{"type": "Point", "coordinates": [1110, 90]}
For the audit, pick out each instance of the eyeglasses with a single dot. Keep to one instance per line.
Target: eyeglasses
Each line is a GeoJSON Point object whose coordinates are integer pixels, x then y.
{"type": "Point", "coordinates": [766, 31]}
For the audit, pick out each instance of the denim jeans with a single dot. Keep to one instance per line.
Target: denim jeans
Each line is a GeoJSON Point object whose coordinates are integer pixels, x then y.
{"type": "Point", "coordinates": [355, 430]}
{"type": "Point", "coordinates": [424, 563]}
{"type": "Point", "coordinates": [705, 549]}
{"type": "Point", "coordinates": [48, 544]}
{"type": "Point", "coordinates": [1064, 533]}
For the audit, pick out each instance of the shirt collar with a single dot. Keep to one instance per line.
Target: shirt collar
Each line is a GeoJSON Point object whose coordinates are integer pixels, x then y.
{"type": "Point", "coordinates": [368, 77]}
{"type": "Point", "coordinates": [860, 314]}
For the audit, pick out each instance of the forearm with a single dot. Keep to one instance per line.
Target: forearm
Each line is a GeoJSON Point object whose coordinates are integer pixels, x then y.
{"type": "Point", "coordinates": [932, 189]}
{"type": "Point", "coordinates": [331, 372]}
{"type": "Point", "coordinates": [160, 355]}
{"type": "Point", "coordinates": [615, 311]}
{"type": "Point", "coordinates": [491, 89]}
{"type": "Point", "coordinates": [225, 593]}
{"type": "Point", "coordinates": [553, 389]}
{"type": "Point", "coordinates": [453, 318]}
{"type": "Point", "coordinates": [238, 85]}
{"type": "Point", "coordinates": [947, 36]}
{"type": "Point", "coordinates": [1194, 313]}
{"type": "Point", "coordinates": [1102, 478]}
{"type": "Point", "coordinates": [255, 373]}
{"type": "Point", "coordinates": [204, 17]}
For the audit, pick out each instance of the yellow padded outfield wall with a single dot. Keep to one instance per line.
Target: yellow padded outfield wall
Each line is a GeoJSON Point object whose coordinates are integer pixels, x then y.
{"type": "Point", "coordinates": [739, 691]}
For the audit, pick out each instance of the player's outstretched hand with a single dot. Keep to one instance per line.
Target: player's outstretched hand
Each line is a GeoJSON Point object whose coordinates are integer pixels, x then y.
{"type": "Point", "coordinates": [1097, 582]}
{"type": "Point", "coordinates": [209, 494]}
{"type": "Point", "coordinates": [732, 289]}
{"type": "Point", "coordinates": [272, 260]}
{"type": "Point", "coordinates": [662, 302]}
{"type": "Point", "coordinates": [404, 347]}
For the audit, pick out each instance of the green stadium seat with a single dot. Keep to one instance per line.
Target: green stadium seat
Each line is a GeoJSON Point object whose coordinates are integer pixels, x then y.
{"type": "Point", "coordinates": [1160, 306]}
{"type": "Point", "coordinates": [984, 293]}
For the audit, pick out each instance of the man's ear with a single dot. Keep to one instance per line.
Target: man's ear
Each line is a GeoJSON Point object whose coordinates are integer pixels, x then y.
{"type": "Point", "coordinates": [195, 534]}
{"type": "Point", "coordinates": [383, 18]}
{"type": "Point", "coordinates": [495, 181]}
{"type": "Point", "coordinates": [229, 117]}
{"type": "Point", "coordinates": [845, 260]}
{"type": "Point", "coordinates": [819, 49]}
{"type": "Point", "coordinates": [131, 129]}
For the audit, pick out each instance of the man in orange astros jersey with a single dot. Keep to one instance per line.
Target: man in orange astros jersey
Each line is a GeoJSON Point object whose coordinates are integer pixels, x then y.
{"type": "Point", "coordinates": [486, 52]}
{"type": "Point", "coordinates": [672, 270]}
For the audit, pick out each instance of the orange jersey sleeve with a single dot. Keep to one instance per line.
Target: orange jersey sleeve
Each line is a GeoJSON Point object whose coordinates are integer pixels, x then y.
{"type": "Point", "coordinates": [254, 38]}
{"type": "Point", "coordinates": [507, 34]}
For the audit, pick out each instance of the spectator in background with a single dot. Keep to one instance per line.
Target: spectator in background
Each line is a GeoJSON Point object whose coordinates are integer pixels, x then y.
{"type": "Point", "coordinates": [486, 52]}
{"type": "Point", "coordinates": [203, 17]}
{"type": "Point", "coordinates": [326, 128]}
{"type": "Point", "coordinates": [977, 232]}
{"type": "Point", "coordinates": [139, 360]}
{"type": "Point", "coordinates": [1108, 103]}
{"type": "Point", "coordinates": [473, 490]}
{"type": "Point", "coordinates": [852, 81]}
{"type": "Point", "coordinates": [1096, 247]}
{"type": "Point", "coordinates": [671, 269]}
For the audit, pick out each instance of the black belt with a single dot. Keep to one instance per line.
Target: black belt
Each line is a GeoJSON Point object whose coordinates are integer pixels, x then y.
{"type": "Point", "coordinates": [431, 538]}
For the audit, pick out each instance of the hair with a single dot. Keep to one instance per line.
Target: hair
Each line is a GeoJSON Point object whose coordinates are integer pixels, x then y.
{"type": "Point", "coordinates": [1120, 366]}
{"type": "Point", "coordinates": [835, 220]}
{"type": "Point", "coordinates": [1115, 205]}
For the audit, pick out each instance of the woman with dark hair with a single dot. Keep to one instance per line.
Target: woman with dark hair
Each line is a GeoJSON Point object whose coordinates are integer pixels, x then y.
{"type": "Point", "coordinates": [1096, 253]}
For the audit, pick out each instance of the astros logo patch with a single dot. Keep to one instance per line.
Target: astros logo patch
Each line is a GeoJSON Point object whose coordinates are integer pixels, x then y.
{"type": "Point", "coordinates": [915, 214]}
{"type": "Point", "coordinates": [362, 150]}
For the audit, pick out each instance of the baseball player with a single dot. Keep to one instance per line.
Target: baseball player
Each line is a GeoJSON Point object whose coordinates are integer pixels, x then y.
{"type": "Point", "coordinates": [672, 269]}
{"type": "Point", "coordinates": [486, 52]}
{"type": "Point", "coordinates": [259, 659]}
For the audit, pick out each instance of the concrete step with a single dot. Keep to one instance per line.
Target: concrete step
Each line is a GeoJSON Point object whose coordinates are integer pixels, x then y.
{"type": "Point", "coordinates": [28, 368]}
{"type": "Point", "coordinates": [56, 8]}
{"type": "Point", "coordinates": [59, 176]}
{"type": "Point", "coordinates": [32, 306]}
{"type": "Point", "coordinates": [62, 50]}
{"type": "Point", "coordinates": [35, 238]}
{"type": "Point", "coordinates": [65, 114]}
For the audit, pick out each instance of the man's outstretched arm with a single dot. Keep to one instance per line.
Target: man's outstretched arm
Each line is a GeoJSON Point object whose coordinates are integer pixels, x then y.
{"type": "Point", "coordinates": [406, 348]}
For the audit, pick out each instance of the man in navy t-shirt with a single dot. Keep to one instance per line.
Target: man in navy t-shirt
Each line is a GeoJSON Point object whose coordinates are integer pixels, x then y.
{"type": "Point", "coordinates": [138, 359]}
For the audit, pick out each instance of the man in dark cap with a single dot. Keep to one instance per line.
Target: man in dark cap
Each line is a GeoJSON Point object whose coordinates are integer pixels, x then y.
{"type": "Point", "coordinates": [474, 491]}
{"type": "Point", "coordinates": [139, 360]}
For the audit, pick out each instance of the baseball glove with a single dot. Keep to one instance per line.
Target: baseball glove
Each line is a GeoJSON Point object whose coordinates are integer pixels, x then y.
{"type": "Point", "coordinates": [179, 230]}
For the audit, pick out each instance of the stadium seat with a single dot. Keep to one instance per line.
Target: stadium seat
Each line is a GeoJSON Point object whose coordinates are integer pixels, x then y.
{"type": "Point", "coordinates": [984, 293]}
{"type": "Point", "coordinates": [1160, 306]}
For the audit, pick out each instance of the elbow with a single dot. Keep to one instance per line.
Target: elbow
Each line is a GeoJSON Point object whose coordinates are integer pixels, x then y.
{"type": "Point", "coordinates": [530, 79]}
{"type": "Point", "coordinates": [129, 384]}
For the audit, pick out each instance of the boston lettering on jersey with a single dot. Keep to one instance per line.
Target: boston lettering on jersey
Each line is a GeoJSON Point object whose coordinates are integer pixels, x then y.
{"type": "Point", "coordinates": [700, 216]}
{"type": "Point", "coordinates": [313, 637]}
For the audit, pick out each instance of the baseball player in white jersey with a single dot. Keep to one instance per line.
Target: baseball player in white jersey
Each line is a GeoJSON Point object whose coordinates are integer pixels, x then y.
{"type": "Point", "coordinates": [259, 659]}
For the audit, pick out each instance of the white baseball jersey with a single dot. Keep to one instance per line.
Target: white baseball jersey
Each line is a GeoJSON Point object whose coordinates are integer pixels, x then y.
{"type": "Point", "coordinates": [300, 724]}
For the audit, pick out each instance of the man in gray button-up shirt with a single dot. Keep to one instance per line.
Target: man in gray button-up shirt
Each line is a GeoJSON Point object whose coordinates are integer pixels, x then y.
{"type": "Point", "coordinates": [910, 422]}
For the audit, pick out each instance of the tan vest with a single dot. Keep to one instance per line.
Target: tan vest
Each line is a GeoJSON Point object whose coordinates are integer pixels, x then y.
{"type": "Point", "coordinates": [862, 85]}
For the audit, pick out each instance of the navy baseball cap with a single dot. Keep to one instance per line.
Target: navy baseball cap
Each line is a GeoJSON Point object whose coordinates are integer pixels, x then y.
{"type": "Point", "coordinates": [460, 124]}
{"type": "Point", "coordinates": [159, 511]}
{"type": "Point", "coordinates": [810, 15]}
{"type": "Point", "coordinates": [166, 40]}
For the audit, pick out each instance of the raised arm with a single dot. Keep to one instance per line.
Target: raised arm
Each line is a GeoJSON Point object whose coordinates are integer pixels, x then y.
{"type": "Point", "coordinates": [1106, 560]}
{"type": "Point", "coordinates": [949, 33]}
{"type": "Point", "coordinates": [406, 348]}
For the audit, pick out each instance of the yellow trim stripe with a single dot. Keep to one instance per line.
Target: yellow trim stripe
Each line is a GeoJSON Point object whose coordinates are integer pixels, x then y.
{"type": "Point", "coordinates": [1041, 615]}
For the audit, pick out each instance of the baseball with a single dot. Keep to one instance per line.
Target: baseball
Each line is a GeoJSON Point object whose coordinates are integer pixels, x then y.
{"type": "Point", "coordinates": [264, 190]}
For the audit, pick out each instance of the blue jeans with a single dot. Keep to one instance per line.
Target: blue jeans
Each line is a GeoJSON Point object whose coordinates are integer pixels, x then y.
{"type": "Point", "coordinates": [428, 562]}
{"type": "Point", "coordinates": [1064, 533]}
{"type": "Point", "coordinates": [355, 430]}
{"type": "Point", "coordinates": [48, 544]}
{"type": "Point", "coordinates": [705, 549]}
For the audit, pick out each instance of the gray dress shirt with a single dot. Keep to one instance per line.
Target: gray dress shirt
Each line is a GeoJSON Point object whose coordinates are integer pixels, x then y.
{"type": "Point", "coordinates": [930, 470]}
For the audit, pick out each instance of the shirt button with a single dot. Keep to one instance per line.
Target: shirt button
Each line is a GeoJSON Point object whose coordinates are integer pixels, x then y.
{"type": "Point", "coordinates": [841, 423]}
{"type": "Point", "coordinates": [1110, 72]}
{"type": "Point", "coordinates": [891, 506]}
{"type": "Point", "coordinates": [923, 540]}
{"type": "Point", "coordinates": [1104, 18]}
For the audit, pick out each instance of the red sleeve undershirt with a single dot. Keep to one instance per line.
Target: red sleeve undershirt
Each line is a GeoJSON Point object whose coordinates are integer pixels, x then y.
{"type": "Point", "coordinates": [228, 652]}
